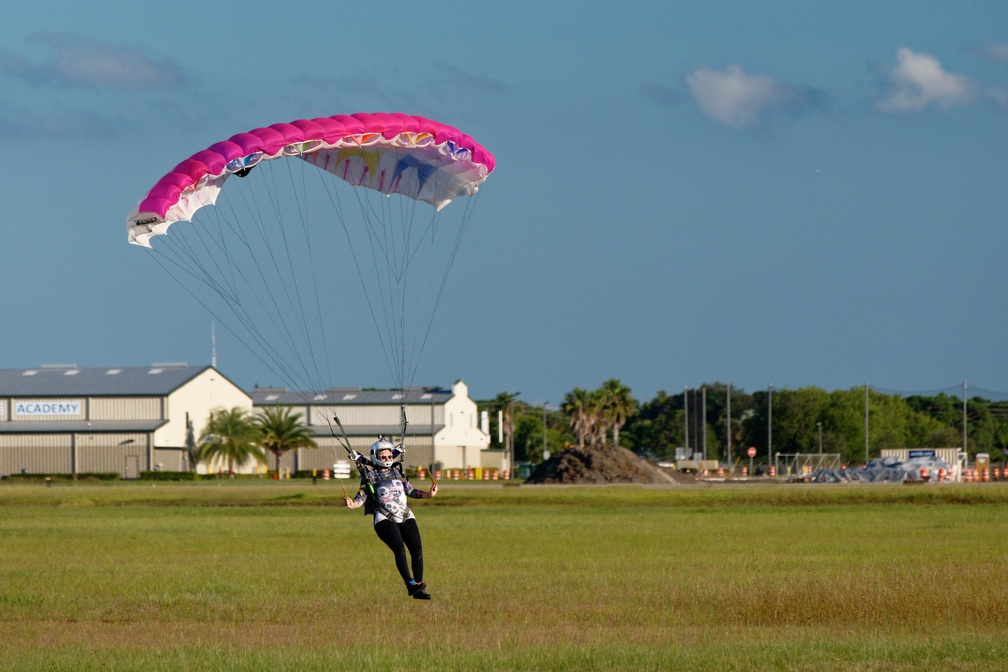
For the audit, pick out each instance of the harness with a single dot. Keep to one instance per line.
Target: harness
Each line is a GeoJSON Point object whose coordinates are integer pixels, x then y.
{"type": "Point", "coordinates": [369, 477]}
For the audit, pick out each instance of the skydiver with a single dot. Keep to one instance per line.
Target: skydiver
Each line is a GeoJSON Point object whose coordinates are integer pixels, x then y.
{"type": "Point", "coordinates": [384, 489]}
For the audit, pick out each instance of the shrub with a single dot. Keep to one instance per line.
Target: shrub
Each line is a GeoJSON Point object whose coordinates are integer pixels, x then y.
{"type": "Point", "coordinates": [168, 475]}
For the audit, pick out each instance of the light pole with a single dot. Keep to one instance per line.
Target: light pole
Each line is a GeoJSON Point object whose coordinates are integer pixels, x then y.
{"type": "Point", "coordinates": [510, 428]}
{"type": "Point", "coordinates": [703, 420]}
{"type": "Point", "coordinates": [685, 401]}
{"type": "Point", "coordinates": [545, 453]}
{"type": "Point", "coordinates": [819, 425]}
{"type": "Point", "coordinates": [769, 426]}
{"type": "Point", "coordinates": [728, 424]}
{"type": "Point", "coordinates": [866, 424]}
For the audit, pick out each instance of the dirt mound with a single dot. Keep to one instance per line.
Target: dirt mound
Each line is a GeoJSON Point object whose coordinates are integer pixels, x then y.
{"type": "Point", "coordinates": [597, 464]}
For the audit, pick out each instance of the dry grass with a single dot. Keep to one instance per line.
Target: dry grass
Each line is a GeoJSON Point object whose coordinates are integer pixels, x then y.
{"type": "Point", "coordinates": [276, 576]}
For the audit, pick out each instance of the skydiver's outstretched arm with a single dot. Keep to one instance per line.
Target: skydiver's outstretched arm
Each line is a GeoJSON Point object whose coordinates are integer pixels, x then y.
{"type": "Point", "coordinates": [417, 493]}
{"type": "Point", "coordinates": [358, 499]}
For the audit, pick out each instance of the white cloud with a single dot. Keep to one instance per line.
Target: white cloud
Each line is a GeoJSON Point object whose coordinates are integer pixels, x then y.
{"type": "Point", "coordinates": [735, 99]}
{"type": "Point", "coordinates": [78, 61]}
{"type": "Point", "coordinates": [918, 82]}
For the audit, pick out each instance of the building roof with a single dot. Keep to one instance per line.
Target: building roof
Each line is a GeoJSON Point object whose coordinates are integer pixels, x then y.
{"type": "Point", "coordinates": [81, 426]}
{"type": "Point", "coordinates": [376, 430]}
{"type": "Point", "coordinates": [70, 380]}
{"type": "Point", "coordinates": [347, 396]}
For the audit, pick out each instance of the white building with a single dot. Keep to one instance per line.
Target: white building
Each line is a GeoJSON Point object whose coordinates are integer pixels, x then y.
{"type": "Point", "coordinates": [62, 419]}
{"type": "Point", "coordinates": [443, 426]}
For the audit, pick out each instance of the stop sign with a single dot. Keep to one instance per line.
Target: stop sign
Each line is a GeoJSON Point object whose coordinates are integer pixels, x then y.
{"type": "Point", "coordinates": [752, 451]}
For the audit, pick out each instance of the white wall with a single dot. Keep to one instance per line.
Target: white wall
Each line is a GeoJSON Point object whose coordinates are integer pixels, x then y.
{"type": "Point", "coordinates": [458, 445]}
{"type": "Point", "coordinates": [207, 391]}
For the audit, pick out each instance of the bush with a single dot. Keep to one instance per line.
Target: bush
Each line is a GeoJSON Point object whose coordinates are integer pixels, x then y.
{"type": "Point", "coordinates": [94, 476]}
{"type": "Point", "coordinates": [168, 475]}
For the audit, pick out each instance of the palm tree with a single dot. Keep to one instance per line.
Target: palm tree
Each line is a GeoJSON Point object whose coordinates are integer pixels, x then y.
{"type": "Point", "coordinates": [595, 412]}
{"type": "Point", "coordinates": [280, 430]}
{"type": "Point", "coordinates": [618, 404]}
{"type": "Point", "coordinates": [230, 435]}
{"type": "Point", "coordinates": [577, 405]}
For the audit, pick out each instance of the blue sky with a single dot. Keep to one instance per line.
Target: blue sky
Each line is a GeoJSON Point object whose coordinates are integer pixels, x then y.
{"type": "Point", "coordinates": [784, 193]}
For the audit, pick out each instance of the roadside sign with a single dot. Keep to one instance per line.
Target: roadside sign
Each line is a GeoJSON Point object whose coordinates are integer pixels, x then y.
{"type": "Point", "coordinates": [752, 451]}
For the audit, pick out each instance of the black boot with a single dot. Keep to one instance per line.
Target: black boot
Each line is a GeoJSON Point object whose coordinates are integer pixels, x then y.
{"type": "Point", "coordinates": [418, 590]}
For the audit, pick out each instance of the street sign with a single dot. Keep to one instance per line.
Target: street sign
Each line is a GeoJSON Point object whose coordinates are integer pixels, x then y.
{"type": "Point", "coordinates": [752, 451]}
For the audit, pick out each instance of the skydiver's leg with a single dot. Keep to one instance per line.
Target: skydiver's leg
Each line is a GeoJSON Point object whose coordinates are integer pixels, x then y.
{"type": "Point", "coordinates": [410, 534]}
{"type": "Point", "coordinates": [388, 532]}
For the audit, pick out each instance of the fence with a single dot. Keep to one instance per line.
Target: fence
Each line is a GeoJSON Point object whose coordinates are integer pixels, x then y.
{"type": "Point", "coordinates": [805, 463]}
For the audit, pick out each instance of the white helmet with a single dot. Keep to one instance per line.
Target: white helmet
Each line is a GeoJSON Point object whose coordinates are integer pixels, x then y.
{"type": "Point", "coordinates": [377, 447]}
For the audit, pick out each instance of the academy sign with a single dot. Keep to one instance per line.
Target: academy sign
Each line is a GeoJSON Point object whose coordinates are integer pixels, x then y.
{"type": "Point", "coordinates": [54, 407]}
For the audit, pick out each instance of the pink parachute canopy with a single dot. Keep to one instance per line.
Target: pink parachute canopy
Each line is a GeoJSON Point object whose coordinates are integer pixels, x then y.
{"type": "Point", "coordinates": [392, 153]}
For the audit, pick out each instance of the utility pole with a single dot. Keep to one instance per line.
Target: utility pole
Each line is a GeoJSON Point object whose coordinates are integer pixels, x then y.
{"type": "Point", "coordinates": [545, 451]}
{"type": "Point", "coordinates": [728, 424]}
{"type": "Point", "coordinates": [964, 417]}
{"type": "Point", "coordinates": [703, 420]}
{"type": "Point", "coordinates": [685, 401]}
{"type": "Point", "coordinates": [866, 424]}
{"type": "Point", "coordinates": [769, 426]}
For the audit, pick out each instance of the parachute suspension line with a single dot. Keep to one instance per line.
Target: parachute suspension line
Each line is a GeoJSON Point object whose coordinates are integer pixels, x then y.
{"type": "Point", "coordinates": [407, 219]}
{"type": "Point", "coordinates": [382, 256]}
{"type": "Point", "coordinates": [255, 214]}
{"type": "Point", "coordinates": [239, 233]}
{"type": "Point", "coordinates": [399, 244]}
{"type": "Point", "coordinates": [276, 366]}
{"type": "Point", "coordinates": [456, 244]}
{"type": "Point", "coordinates": [390, 267]}
{"type": "Point", "coordinates": [292, 292]}
{"type": "Point", "coordinates": [314, 276]}
{"type": "Point", "coordinates": [411, 364]}
{"type": "Point", "coordinates": [387, 256]}
{"type": "Point", "coordinates": [177, 250]}
{"type": "Point", "coordinates": [404, 244]}
{"type": "Point", "coordinates": [195, 271]}
{"type": "Point", "coordinates": [276, 315]}
{"type": "Point", "coordinates": [306, 328]}
{"type": "Point", "coordinates": [402, 296]}
{"type": "Point", "coordinates": [332, 189]}
{"type": "Point", "coordinates": [387, 274]}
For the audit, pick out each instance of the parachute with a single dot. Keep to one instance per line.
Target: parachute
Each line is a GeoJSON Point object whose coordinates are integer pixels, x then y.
{"type": "Point", "coordinates": [272, 259]}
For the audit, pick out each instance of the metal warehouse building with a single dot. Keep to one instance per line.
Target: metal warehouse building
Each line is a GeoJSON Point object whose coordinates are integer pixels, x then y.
{"type": "Point", "coordinates": [443, 425]}
{"type": "Point", "coordinates": [61, 419]}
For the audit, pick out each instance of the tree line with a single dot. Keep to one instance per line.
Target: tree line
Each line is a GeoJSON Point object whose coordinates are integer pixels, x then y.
{"type": "Point", "coordinates": [805, 420]}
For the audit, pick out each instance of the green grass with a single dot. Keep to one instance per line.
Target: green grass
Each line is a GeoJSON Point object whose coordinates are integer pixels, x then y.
{"type": "Point", "coordinates": [249, 576]}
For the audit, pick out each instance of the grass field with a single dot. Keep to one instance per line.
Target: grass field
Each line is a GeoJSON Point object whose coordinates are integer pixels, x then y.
{"type": "Point", "coordinates": [276, 576]}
